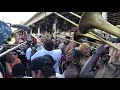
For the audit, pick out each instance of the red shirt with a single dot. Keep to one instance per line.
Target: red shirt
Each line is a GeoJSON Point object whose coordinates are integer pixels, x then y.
{"type": "Point", "coordinates": [11, 65]}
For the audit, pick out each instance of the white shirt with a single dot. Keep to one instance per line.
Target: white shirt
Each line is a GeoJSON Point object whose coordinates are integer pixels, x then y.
{"type": "Point", "coordinates": [39, 47]}
{"type": "Point", "coordinates": [77, 48]}
{"type": "Point", "coordinates": [27, 77]}
{"type": "Point", "coordinates": [56, 54]}
{"type": "Point", "coordinates": [38, 35]}
{"type": "Point", "coordinates": [28, 53]}
{"type": "Point", "coordinates": [59, 75]}
{"type": "Point", "coordinates": [61, 45]}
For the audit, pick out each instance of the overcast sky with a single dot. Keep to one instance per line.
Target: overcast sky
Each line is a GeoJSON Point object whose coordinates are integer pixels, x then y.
{"type": "Point", "coordinates": [15, 17]}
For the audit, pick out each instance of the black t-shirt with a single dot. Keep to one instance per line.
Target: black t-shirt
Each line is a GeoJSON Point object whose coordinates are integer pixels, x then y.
{"type": "Point", "coordinates": [21, 56]}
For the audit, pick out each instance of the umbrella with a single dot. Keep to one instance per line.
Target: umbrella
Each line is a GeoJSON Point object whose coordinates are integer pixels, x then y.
{"type": "Point", "coordinates": [5, 32]}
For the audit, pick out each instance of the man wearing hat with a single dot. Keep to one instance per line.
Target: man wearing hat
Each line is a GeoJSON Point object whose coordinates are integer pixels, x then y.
{"type": "Point", "coordinates": [42, 67]}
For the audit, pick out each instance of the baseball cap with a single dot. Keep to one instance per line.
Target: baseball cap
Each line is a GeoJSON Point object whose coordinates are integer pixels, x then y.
{"type": "Point", "coordinates": [40, 62]}
{"type": "Point", "coordinates": [51, 58]}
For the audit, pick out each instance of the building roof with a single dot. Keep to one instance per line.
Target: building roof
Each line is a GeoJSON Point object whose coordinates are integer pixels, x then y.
{"type": "Point", "coordinates": [38, 13]}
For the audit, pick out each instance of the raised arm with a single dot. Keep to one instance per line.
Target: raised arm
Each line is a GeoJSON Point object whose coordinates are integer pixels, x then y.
{"type": "Point", "coordinates": [88, 68]}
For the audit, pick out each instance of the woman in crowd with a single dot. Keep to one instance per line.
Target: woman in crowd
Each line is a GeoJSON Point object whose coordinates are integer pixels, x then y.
{"type": "Point", "coordinates": [85, 50]}
{"type": "Point", "coordinates": [9, 66]}
{"type": "Point", "coordinates": [74, 68]}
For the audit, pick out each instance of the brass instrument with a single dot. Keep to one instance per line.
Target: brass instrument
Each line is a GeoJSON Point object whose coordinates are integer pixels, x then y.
{"type": "Point", "coordinates": [81, 39]}
{"type": "Point", "coordinates": [14, 48]}
{"type": "Point", "coordinates": [75, 42]}
{"type": "Point", "coordinates": [11, 40]}
{"type": "Point", "coordinates": [75, 14]}
{"type": "Point", "coordinates": [94, 20]}
{"type": "Point", "coordinates": [85, 35]}
{"type": "Point", "coordinates": [33, 35]}
{"type": "Point", "coordinates": [118, 26]}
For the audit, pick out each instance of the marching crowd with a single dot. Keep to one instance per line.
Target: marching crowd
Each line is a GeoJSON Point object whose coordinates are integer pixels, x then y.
{"type": "Point", "coordinates": [59, 58]}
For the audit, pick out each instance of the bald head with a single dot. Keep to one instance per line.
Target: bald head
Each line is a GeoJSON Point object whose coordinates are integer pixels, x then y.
{"type": "Point", "coordinates": [48, 44]}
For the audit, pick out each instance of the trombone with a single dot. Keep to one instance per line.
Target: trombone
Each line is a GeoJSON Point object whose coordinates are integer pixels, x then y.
{"type": "Point", "coordinates": [85, 35]}
{"type": "Point", "coordinates": [96, 34]}
{"type": "Point", "coordinates": [12, 42]}
{"type": "Point", "coordinates": [14, 48]}
{"type": "Point", "coordinates": [95, 18]}
{"type": "Point", "coordinates": [76, 41]}
{"type": "Point", "coordinates": [33, 35]}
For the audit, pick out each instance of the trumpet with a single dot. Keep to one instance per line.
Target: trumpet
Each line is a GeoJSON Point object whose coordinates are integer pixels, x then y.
{"type": "Point", "coordinates": [9, 45]}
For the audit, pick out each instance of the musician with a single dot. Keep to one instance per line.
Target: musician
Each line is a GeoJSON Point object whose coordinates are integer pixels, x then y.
{"type": "Point", "coordinates": [71, 44]}
{"type": "Point", "coordinates": [111, 69]}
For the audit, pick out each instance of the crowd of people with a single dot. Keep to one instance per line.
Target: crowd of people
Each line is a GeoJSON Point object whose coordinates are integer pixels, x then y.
{"type": "Point", "coordinates": [60, 58]}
